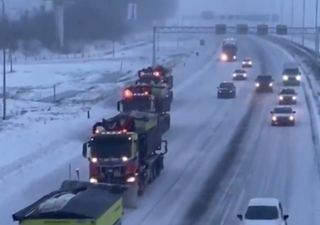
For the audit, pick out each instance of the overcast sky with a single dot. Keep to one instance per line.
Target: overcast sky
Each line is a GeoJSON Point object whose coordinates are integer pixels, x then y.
{"type": "Point", "coordinates": [253, 6]}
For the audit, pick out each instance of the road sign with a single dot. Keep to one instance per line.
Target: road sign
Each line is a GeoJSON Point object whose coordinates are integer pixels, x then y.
{"type": "Point", "coordinates": [262, 29]}
{"type": "Point", "coordinates": [221, 28]}
{"type": "Point", "coordinates": [242, 29]}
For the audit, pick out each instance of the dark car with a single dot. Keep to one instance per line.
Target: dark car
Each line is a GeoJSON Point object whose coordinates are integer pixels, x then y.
{"type": "Point", "coordinates": [226, 90]}
{"type": "Point", "coordinates": [282, 116]}
{"type": "Point", "coordinates": [287, 96]}
{"type": "Point", "coordinates": [239, 74]}
{"type": "Point", "coordinates": [264, 83]}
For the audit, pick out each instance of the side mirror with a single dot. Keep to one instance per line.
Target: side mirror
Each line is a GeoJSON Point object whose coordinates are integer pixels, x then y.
{"type": "Point", "coordinates": [285, 217]}
{"type": "Point", "coordinates": [240, 217]}
{"type": "Point", "coordinates": [118, 106]}
{"type": "Point", "coordinates": [85, 150]}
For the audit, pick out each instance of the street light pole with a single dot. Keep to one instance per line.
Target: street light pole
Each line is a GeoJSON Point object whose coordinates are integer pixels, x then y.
{"type": "Point", "coordinates": [292, 12]}
{"type": "Point", "coordinates": [303, 19]}
{"type": "Point", "coordinates": [317, 30]}
{"type": "Point", "coordinates": [4, 116]}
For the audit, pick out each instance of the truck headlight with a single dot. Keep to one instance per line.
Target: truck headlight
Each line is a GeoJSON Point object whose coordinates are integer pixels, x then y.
{"type": "Point", "coordinates": [281, 98]}
{"type": "Point", "coordinates": [94, 160]}
{"type": "Point", "coordinates": [294, 97]}
{"type": "Point", "coordinates": [298, 77]}
{"type": "Point", "coordinates": [257, 85]}
{"type": "Point", "coordinates": [270, 84]}
{"type": "Point", "coordinates": [274, 118]}
{"type": "Point", "coordinates": [285, 77]}
{"type": "Point", "coordinates": [131, 179]}
{"type": "Point", "coordinates": [224, 57]}
{"type": "Point", "coordinates": [93, 180]}
{"type": "Point", "coordinates": [124, 158]}
{"type": "Point", "coordinates": [291, 118]}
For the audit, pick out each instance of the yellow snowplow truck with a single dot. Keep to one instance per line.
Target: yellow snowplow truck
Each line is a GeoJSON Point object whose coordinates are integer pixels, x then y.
{"type": "Point", "coordinates": [73, 204]}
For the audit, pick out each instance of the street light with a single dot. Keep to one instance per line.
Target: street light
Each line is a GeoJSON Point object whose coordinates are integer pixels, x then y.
{"type": "Point", "coordinates": [303, 19]}
{"type": "Point", "coordinates": [4, 63]}
{"type": "Point", "coordinates": [317, 31]}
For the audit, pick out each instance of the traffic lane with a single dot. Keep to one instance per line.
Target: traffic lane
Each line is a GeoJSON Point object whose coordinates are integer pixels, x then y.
{"type": "Point", "coordinates": [277, 163]}
{"type": "Point", "coordinates": [196, 120]}
{"type": "Point", "coordinates": [261, 106]}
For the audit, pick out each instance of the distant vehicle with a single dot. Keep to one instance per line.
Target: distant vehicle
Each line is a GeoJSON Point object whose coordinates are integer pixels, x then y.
{"type": "Point", "coordinates": [226, 90]}
{"type": "Point", "coordinates": [229, 50]}
{"type": "Point", "coordinates": [247, 63]}
{"type": "Point", "coordinates": [291, 74]}
{"type": "Point", "coordinates": [287, 96]}
{"type": "Point", "coordinates": [281, 116]}
{"type": "Point", "coordinates": [239, 74]}
{"type": "Point", "coordinates": [264, 83]}
{"type": "Point", "coordinates": [266, 211]}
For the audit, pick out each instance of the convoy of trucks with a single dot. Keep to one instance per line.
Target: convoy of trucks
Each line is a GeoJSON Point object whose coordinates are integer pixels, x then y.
{"type": "Point", "coordinates": [125, 153]}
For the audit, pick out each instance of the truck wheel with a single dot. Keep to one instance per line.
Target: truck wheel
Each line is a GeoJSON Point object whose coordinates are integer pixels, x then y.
{"type": "Point", "coordinates": [130, 197]}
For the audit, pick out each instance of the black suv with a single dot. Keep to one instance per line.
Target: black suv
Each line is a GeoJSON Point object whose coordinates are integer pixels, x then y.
{"type": "Point", "coordinates": [226, 90]}
{"type": "Point", "coordinates": [264, 83]}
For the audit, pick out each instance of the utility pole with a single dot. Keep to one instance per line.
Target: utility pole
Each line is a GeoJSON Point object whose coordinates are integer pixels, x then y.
{"type": "Point", "coordinates": [303, 19]}
{"type": "Point", "coordinates": [154, 40]}
{"type": "Point", "coordinates": [292, 17]}
{"type": "Point", "coordinates": [4, 116]}
{"type": "Point", "coordinates": [317, 30]}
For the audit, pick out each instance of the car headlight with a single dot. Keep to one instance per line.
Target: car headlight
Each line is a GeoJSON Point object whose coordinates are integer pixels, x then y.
{"type": "Point", "coordinates": [131, 179]}
{"type": "Point", "coordinates": [224, 57]}
{"type": "Point", "coordinates": [281, 98]}
{"type": "Point", "coordinates": [93, 180]}
{"type": "Point", "coordinates": [250, 62]}
{"type": "Point", "coordinates": [285, 77]}
{"type": "Point", "coordinates": [294, 97]}
{"type": "Point", "coordinates": [244, 74]}
{"type": "Point", "coordinates": [257, 85]}
{"type": "Point", "coordinates": [291, 118]}
{"type": "Point", "coordinates": [234, 57]}
{"type": "Point", "coordinates": [270, 84]}
{"type": "Point", "coordinates": [274, 118]}
{"type": "Point", "coordinates": [298, 77]}
{"type": "Point", "coordinates": [124, 158]}
{"type": "Point", "coordinates": [234, 75]}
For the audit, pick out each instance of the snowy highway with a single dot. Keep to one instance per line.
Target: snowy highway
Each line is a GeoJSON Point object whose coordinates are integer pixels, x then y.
{"type": "Point", "coordinates": [221, 152]}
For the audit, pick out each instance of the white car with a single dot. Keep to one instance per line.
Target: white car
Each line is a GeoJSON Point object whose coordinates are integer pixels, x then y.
{"type": "Point", "coordinates": [239, 74]}
{"type": "Point", "coordinates": [264, 211]}
{"type": "Point", "coordinates": [247, 63]}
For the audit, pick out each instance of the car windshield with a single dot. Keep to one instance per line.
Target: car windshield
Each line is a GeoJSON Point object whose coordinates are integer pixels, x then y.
{"type": "Point", "coordinates": [262, 213]}
{"type": "Point", "coordinates": [264, 78]}
{"type": "Point", "coordinates": [110, 146]}
{"type": "Point", "coordinates": [291, 71]}
{"type": "Point", "coordinates": [239, 71]}
{"type": "Point", "coordinates": [226, 85]}
{"type": "Point", "coordinates": [288, 91]}
{"type": "Point", "coordinates": [282, 110]}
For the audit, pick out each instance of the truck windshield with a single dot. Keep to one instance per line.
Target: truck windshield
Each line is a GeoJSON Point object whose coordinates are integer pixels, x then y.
{"type": "Point", "coordinates": [229, 48]}
{"type": "Point", "coordinates": [291, 71]}
{"type": "Point", "coordinates": [262, 213]}
{"type": "Point", "coordinates": [111, 147]}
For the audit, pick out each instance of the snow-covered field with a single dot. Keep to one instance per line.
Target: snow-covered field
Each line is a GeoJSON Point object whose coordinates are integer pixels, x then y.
{"type": "Point", "coordinates": [221, 152]}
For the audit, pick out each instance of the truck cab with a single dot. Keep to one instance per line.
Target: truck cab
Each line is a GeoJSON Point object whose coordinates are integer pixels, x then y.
{"type": "Point", "coordinates": [155, 76]}
{"type": "Point", "coordinates": [125, 150]}
{"type": "Point", "coordinates": [146, 97]}
{"type": "Point", "coordinates": [229, 50]}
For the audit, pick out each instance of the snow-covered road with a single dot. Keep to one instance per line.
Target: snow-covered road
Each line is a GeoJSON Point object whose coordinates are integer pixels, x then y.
{"type": "Point", "coordinates": [221, 152]}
